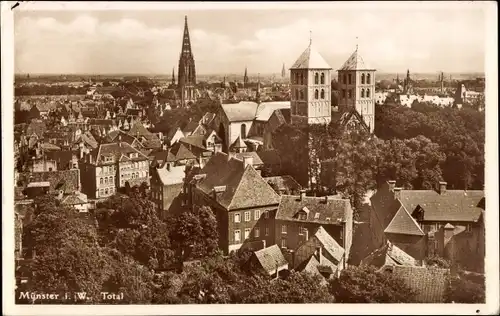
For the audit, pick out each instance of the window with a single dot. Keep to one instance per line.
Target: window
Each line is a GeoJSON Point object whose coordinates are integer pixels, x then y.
{"type": "Point", "coordinates": [247, 216]}
{"type": "Point", "coordinates": [367, 93]}
{"type": "Point", "coordinates": [301, 95]}
{"type": "Point", "coordinates": [345, 79]}
{"type": "Point", "coordinates": [322, 78]}
{"type": "Point", "coordinates": [468, 227]}
{"type": "Point", "coordinates": [243, 131]}
{"type": "Point", "coordinates": [106, 180]}
{"type": "Point", "coordinates": [343, 93]}
{"type": "Point", "coordinates": [137, 174]}
{"type": "Point", "coordinates": [362, 78]}
{"type": "Point", "coordinates": [101, 192]}
{"type": "Point", "coordinates": [106, 191]}
{"type": "Point", "coordinates": [368, 78]}
{"type": "Point", "coordinates": [111, 179]}
{"type": "Point", "coordinates": [301, 230]}
{"type": "Point", "coordinates": [316, 78]}
{"type": "Point", "coordinates": [283, 229]}
{"type": "Point", "coordinates": [296, 94]}
{"type": "Point", "coordinates": [350, 93]}
{"type": "Point", "coordinates": [101, 180]}
{"type": "Point", "coordinates": [322, 93]}
{"type": "Point", "coordinates": [266, 214]}
{"type": "Point", "coordinates": [316, 94]}
{"type": "Point", "coordinates": [257, 215]}
{"type": "Point", "coordinates": [283, 243]}
{"type": "Point", "coordinates": [256, 232]}
{"type": "Point", "coordinates": [306, 233]}
{"type": "Point", "coordinates": [350, 78]}
{"type": "Point", "coordinates": [237, 235]}
{"type": "Point", "coordinates": [267, 230]}
{"type": "Point", "coordinates": [362, 93]}
{"type": "Point", "coordinates": [316, 216]}
{"type": "Point", "coordinates": [247, 233]}
{"type": "Point", "coordinates": [237, 217]}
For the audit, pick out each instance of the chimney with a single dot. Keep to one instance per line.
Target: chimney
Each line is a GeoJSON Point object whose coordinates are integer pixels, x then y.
{"type": "Point", "coordinates": [247, 160]}
{"type": "Point", "coordinates": [263, 244]}
{"type": "Point", "coordinates": [326, 199]}
{"type": "Point", "coordinates": [91, 158]}
{"type": "Point", "coordinates": [442, 187]}
{"type": "Point", "coordinates": [392, 184]}
{"type": "Point", "coordinates": [397, 193]}
{"type": "Point", "coordinates": [168, 167]}
{"type": "Point", "coordinates": [319, 254]}
{"type": "Point", "coordinates": [302, 194]}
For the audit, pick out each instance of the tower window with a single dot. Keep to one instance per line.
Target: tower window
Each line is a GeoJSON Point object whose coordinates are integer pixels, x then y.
{"type": "Point", "coordinates": [322, 93]}
{"type": "Point", "coordinates": [243, 131]}
{"type": "Point", "coordinates": [350, 78]}
{"type": "Point", "coordinates": [322, 78]}
{"type": "Point", "coordinates": [368, 78]}
{"type": "Point", "coordinates": [362, 90]}
{"type": "Point", "coordinates": [362, 78]}
{"type": "Point", "coordinates": [316, 78]}
{"type": "Point", "coordinates": [345, 79]}
{"type": "Point", "coordinates": [367, 93]}
{"type": "Point", "coordinates": [316, 93]}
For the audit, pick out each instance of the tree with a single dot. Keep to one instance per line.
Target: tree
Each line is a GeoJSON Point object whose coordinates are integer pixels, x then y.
{"type": "Point", "coordinates": [461, 290]}
{"type": "Point", "coordinates": [195, 233]}
{"type": "Point", "coordinates": [365, 285]}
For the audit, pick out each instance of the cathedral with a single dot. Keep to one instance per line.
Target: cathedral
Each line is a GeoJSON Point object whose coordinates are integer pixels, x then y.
{"type": "Point", "coordinates": [186, 80]}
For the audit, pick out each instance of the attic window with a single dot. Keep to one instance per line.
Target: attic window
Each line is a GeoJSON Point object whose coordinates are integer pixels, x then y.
{"type": "Point", "coordinates": [316, 216]}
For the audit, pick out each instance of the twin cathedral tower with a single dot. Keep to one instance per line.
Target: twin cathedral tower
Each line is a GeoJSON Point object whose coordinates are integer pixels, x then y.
{"type": "Point", "coordinates": [310, 85]}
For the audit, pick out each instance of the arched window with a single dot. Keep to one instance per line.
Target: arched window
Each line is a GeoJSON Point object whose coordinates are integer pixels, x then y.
{"type": "Point", "coordinates": [111, 179]}
{"type": "Point", "coordinates": [243, 132]}
{"type": "Point", "coordinates": [106, 191]}
{"type": "Point", "coordinates": [368, 78]}
{"type": "Point", "coordinates": [345, 79]}
{"type": "Point", "coordinates": [316, 78]}
{"type": "Point", "coordinates": [301, 95]}
{"type": "Point", "coordinates": [367, 93]}
{"type": "Point", "coordinates": [137, 174]}
{"type": "Point", "coordinates": [322, 78]}
{"type": "Point", "coordinates": [322, 93]}
{"type": "Point", "coordinates": [363, 92]}
{"type": "Point", "coordinates": [316, 94]}
{"type": "Point", "coordinates": [106, 180]}
{"type": "Point", "coordinates": [362, 78]}
{"type": "Point", "coordinates": [101, 181]}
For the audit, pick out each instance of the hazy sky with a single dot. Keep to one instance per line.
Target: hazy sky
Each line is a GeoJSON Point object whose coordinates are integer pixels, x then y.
{"type": "Point", "coordinates": [422, 38]}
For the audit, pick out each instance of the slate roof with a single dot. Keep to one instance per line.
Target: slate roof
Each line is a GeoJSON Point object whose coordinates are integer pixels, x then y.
{"type": "Point", "coordinates": [389, 254]}
{"type": "Point", "coordinates": [66, 180]}
{"type": "Point", "coordinates": [239, 143]}
{"type": "Point", "coordinates": [278, 118]}
{"type": "Point", "coordinates": [336, 210]}
{"type": "Point", "coordinates": [181, 152]}
{"type": "Point", "coordinates": [266, 109]}
{"type": "Point", "coordinates": [329, 244]}
{"type": "Point", "coordinates": [310, 59]}
{"type": "Point", "coordinates": [453, 205]}
{"type": "Point", "coordinates": [429, 282]}
{"type": "Point", "coordinates": [311, 265]}
{"type": "Point", "coordinates": [256, 159]}
{"type": "Point", "coordinates": [284, 182]}
{"type": "Point", "coordinates": [355, 62]}
{"type": "Point", "coordinates": [404, 223]}
{"type": "Point", "coordinates": [173, 176]}
{"type": "Point", "coordinates": [245, 188]}
{"type": "Point", "coordinates": [270, 258]}
{"type": "Point", "coordinates": [151, 139]}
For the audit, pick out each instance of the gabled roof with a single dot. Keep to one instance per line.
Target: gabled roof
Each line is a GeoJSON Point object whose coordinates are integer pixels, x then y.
{"type": "Point", "coordinates": [181, 152]}
{"type": "Point", "coordinates": [310, 59]}
{"type": "Point", "coordinates": [245, 188]}
{"type": "Point", "coordinates": [238, 112]}
{"type": "Point", "coordinates": [65, 180]}
{"type": "Point", "coordinates": [74, 199]}
{"type": "Point", "coordinates": [329, 244]}
{"type": "Point", "coordinates": [353, 114]}
{"type": "Point", "coordinates": [403, 223]}
{"type": "Point", "coordinates": [118, 149]}
{"type": "Point", "coordinates": [389, 254]}
{"type": "Point", "coordinates": [335, 211]}
{"type": "Point", "coordinates": [453, 205]}
{"type": "Point", "coordinates": [284, 182]}
{"type": "Point", "coordinates": [175, 175]}
{"type": "Point", "coordinates": [430, 283]}
{"type": "Point", "coordinates": [355, 62]}
{"type": "Point", "coordinates": [266, 109]}
{"type": "Point", "coordinates": [271, 258]}
{"type": "Point", "coordinates": [238, 143]}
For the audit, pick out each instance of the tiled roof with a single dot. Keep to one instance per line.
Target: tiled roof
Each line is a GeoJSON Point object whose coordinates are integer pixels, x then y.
{"type": "Point", "coordinates": [453, 205]}
{"type": "Point", "coordinates": [312, 265]}
{"type": "Point", "coordinates": [284, 182]}
{"type": "Point", "coordinates": [310, 59]}
{"type": "Point", "coordinates": [75, 198]}
{"type": "Point", "coordinates": [181, 152]}
{"type": "Point", "coordinates": [66, 180]}
{"type": "Point", "coordinates": [37, 127]}
{"type": "Point", "coordinates": [256, 159]}
{"type": "Point", "coordinates": [355, 62]}
{"type": "Point", "coordinates": [270, 258]}
{"type": "Point", "coordinates": [389, 254]}
{"type": "Point", "coordinates": [101, 122]}
{"type": "Point", "coordinates": [429, 282]}
{"type": "Point", "coordinates": [404, 223]}
{"type": "Point", "coordinates": [335, 211]}
{"type": "Point", "coordinates": [329, 244]}
{"type": "Point", "coordinates": [238, 143]}
{"type": "Point", "coordinates": [243, 111]}
{"type": "Point", "coordinates": [244, 186]}
{"type": "Point", "coordinates": [278, 118]}
{"type": "Point", "coordinates": [49, 146]}
{"type": "Point", "coordinates": [118, 150]}
{"type": "Point", "coordinates": [190, 127]}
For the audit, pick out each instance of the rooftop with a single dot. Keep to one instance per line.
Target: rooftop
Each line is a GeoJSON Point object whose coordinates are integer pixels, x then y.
{"type": "Point", "coordinates": [310, 59]}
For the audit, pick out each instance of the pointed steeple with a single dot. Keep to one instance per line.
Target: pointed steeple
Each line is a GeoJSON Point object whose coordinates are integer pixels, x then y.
{"type": "Point", "coordinates": [186, 42]}
{"type": "Point", "coordinates": [283, 72]}
{"type": "Point", "coordinates": [245, 78]}
{"type": "Point", "coordinates": [173, 76]}
{"type": "Point", "coordinates": [257, 95]}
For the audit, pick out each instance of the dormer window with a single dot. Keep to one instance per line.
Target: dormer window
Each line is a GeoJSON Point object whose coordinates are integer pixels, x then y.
{"type": "Point", "coordinates": [316, 216]}
{"type": "Point", "coordinates": [133, 155]}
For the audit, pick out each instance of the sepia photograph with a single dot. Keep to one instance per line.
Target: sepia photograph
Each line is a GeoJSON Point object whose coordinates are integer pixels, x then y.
{"type": "Point", "coordinates": [184, 155]}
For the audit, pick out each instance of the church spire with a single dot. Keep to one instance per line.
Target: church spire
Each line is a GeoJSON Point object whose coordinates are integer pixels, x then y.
{"type": "Point", "coordinates": [257, 95]}
{"type": "Point", "coordinates": [173, 76]}
{"type": "Point", "coordinates": [283, 72]}
{"type": "Point", "coordinates": [245, 78]}
{"type": "Point", "coordinates": [186, 41]}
